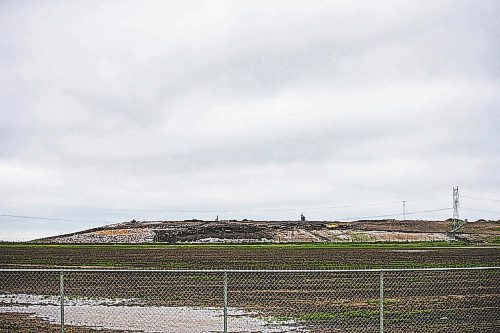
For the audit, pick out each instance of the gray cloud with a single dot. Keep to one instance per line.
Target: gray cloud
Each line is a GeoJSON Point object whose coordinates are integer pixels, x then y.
{"type": "Point", "coordinates": [244, 106]}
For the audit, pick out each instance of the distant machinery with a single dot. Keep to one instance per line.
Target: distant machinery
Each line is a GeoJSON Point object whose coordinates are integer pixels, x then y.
{"type": "Point", "coordinates": [302, 217]}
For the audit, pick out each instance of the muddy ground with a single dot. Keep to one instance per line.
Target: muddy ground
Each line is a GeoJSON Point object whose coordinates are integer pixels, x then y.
{"type": "Point", "coordinates": [304, 256]}
{"type": "Point", "coordinates": [449, 301]}
{"type": "Point", "coordinates": [25, 323]}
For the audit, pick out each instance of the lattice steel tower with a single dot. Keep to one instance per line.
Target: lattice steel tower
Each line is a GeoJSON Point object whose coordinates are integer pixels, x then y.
{"type": "Point", "coordinates": [456, 224]}
{"type": "Point", "coordinates": [456, 198]}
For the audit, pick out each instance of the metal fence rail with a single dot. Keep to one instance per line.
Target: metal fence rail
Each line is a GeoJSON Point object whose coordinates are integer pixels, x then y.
{"type": "Point", "coordinates": [185, 301]}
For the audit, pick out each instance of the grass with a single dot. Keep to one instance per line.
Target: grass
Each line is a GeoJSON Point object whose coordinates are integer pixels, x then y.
{"type": "Point", "coordinates": [347, 314]}
{"type": "Point", "coordinates": [398, 316]}
{"type": "Point", "coordinates": [208, 278]}
{"type": "Point", "coordinates": [386, 302]}
{"type": "Point", "coordinates": [406, 316]}
{"type": "Point", "coordinates": [175, 265]}
{"type": "Point", "coordinates": [298, 246]}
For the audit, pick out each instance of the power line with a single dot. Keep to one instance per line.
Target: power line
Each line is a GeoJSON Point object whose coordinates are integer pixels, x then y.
{"type": "Point", "coordinates": [479, 198]}
{"type": "Point", "coordinates": [85, 208]}
{"type": "Point", "coordinates": [323, 207]}
{"type": "Point", "coordinates": [482, 210]}
{"type": "Point", "coordinates": [93, 221]}
{"type": "Point", "coordinates": [165, 211]}
{"type": "Point", "coordinates": [50, 218]}
{"type": "Point", "coordinates": [398, 214]}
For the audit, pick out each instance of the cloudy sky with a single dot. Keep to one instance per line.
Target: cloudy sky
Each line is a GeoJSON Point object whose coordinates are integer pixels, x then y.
{"type": "Point", "coordinates": [113, 110]}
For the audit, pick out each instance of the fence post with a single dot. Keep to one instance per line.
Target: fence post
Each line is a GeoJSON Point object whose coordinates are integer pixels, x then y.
{"type": "Point", "coordinates": [61, 291]}
{"type": "Point", "coordinates": [225, 302]}
{"type": "Point", "coordinates": [381, 301]}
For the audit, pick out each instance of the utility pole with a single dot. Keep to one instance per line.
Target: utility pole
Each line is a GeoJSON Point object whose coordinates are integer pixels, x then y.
{"type": "Point", "coordinates": [404, 210]}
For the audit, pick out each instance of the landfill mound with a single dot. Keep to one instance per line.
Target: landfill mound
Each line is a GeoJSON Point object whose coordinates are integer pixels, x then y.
{"type": "Point", "coordinates": [247, 231]}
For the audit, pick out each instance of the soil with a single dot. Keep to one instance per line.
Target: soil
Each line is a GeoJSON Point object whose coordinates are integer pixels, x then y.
{"type": "Point", "coordinates": [449, 301]}
{"type": "Point", "coordinates": [25, 323]}
{"type": "Point", "coordinates": [243, 257]}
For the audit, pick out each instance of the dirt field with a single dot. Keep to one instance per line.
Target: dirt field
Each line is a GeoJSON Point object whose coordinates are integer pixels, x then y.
{"type": "Point", "coordinates": [448, 301]}
{"type": "Point", "coordinates": [299, 256]}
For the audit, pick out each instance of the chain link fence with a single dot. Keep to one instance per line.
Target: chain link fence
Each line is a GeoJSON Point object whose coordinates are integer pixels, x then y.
{"type": "Point", "coordinates": [188, 301]}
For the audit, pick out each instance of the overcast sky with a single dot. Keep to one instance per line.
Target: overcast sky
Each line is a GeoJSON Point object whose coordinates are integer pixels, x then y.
{"type": "Point", "coordinates": [253, 109]}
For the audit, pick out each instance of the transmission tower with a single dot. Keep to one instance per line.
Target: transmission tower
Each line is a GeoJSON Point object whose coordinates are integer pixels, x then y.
{"type": "Point", "coordinates": [456, 198]}
{"type": "Point", "coordinates": [456, 223]}
{"type": "Point", "coordinates": [404, 210]}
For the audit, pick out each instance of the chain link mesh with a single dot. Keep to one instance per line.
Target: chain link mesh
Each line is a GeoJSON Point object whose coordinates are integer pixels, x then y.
{"type": "Point", "coordinates": [442, 301]}
{"type": "Point", "coordinates": [268, 301]}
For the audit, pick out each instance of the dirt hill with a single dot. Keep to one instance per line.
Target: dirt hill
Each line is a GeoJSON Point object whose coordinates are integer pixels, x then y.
{"type": "Point", "coordinates": [246, 231]}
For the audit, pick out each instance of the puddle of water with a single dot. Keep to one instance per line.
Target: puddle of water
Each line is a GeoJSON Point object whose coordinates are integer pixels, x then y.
{"type": "Point", "coordinates": [129, 315]}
